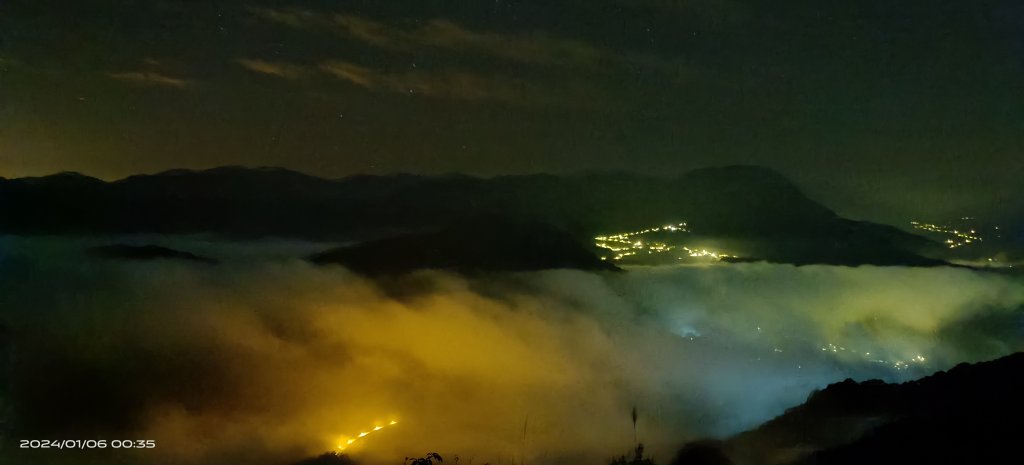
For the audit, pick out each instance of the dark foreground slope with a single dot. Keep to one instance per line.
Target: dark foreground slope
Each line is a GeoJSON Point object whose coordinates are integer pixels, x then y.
{"type": "Point", "coordinates": [969, 414]}
{"type": "Point", "coordinates": [756, 208]}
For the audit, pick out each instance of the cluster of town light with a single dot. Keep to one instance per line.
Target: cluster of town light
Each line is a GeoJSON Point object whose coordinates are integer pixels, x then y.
{"type": "Point", "coordinates": [704, 253]}
{"type": "Point", "coordinates": [628, 244]}
{"type": "Point", "coordinates": [956, 237]}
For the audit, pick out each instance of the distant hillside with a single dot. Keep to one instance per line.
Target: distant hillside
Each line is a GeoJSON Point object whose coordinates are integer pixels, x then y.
{"type": "Point", "coordinates": [473, 246]}
{"type": "Point", "coordinates": [146, 252]}
{"type": "Point", "coordinates": [757, 209]}
{"type": "Point", "coordinates": [966, 415]}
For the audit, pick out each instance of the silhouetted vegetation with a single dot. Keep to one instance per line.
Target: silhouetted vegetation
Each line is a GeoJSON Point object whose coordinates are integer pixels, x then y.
{"type": "Point", "coordinates": [429, 459]}
{"type": "Point", "coordinates": [638, 458]}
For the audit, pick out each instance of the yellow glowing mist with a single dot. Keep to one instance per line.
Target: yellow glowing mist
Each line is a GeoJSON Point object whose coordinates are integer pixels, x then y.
{"type": "Point", "coordinates": [344, 442]}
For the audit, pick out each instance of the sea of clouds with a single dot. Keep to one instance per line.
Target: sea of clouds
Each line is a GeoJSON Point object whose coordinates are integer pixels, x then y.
{"type": "Point", "coordinates": [266, 358]}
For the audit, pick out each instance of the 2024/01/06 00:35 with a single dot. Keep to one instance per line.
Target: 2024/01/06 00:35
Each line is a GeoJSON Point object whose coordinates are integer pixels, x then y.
{"type": "Point", "coordinates": [88, 444]}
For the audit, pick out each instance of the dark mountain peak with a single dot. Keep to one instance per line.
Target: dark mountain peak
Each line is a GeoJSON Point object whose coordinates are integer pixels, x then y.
{"type": "Point", "coordinates": [69, 175]}
{"type": "Point", "coordinates": [741, 199]}
{"type": "Point", "coordinates": [760, 213]}
{"type": "Point", "coordinates": [229, 188]}
{"type": "Point", "coordinates": [262, 173]}
{"type": "Point", "coordinates": [357, 178]}
{"type": "Point", "coordinates": [64, 178]}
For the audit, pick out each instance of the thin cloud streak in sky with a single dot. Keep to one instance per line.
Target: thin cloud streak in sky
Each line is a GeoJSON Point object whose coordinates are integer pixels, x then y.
{"type": "Point", "coordinates": [151, 78]}
{"type": "Point", "coordinates": [450, 84]}
{"type": "Point", "coordinates": [446, 35]}
{"type": "Point", "coordinates": [278, 69]}
{"type": "Point", "coordinates": [445, 83]}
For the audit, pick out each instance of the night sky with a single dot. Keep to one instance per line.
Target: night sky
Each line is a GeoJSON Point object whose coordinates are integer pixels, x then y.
{"type": "Point", "coordinates": [881, 109]}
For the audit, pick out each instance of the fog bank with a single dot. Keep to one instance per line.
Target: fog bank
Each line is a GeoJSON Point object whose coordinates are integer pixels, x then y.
{"type": "Point", "coordinates": [266, 358]}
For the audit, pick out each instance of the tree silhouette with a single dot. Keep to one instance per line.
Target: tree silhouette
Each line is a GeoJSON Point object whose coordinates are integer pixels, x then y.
{"type": "Point", "coordinates": [638, 458]}
{"type": "Point", "coordinates": [427, 459]}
